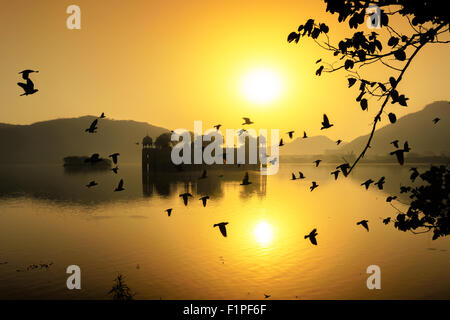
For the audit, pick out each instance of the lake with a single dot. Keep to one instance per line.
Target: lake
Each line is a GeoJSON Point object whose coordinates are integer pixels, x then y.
{"type": "Point", "coordinates": [48, 215]}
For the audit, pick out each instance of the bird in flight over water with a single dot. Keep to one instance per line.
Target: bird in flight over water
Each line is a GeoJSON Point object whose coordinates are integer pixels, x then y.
{"type": "Point", "coordinates": [185, 197]}
{"type": "Point", "coordinates": [114, 157]}
{"type": "Point", "coordinates": [312, 237]}
{"type": "Point", "coordinates": [204, 199]}
{"type": "Point", "coordinates": [336, 174]}
{"type": "Point", "coordinates": [120, 186]}
{"type": "Point", "coordinates": [313, 186]}
{"type": "Point", "coordinates": [281, 143]}
{"type": "Point", "coordinates": [338, 142]}
{"type": "Point", "coordinates": [93, 127]}
{"type": "Point", "coordinates": [115, 169]}
{"type": "Point", "coordinates": [399, 153]}
{"type": "Point", "coordinates": [380, 183]}
{"type": "Point", "coordinates": [217, 126]}
{"type": "Point", "coordinates": [414, 174]}
{"type": "Point", "coordinates": [300, 175]}
{"type": "Point", "coordinates": [304, 135]}
{"type": "Point", "coordinates": [92, 184]}
{"type": "Point", "coordinates": [326, 123]}
{"type": "Point", "coordinates": [395, 143]}
{"type": "Point", "coordinates": [102, 115]}
{"type": "Point", "coordinates": [169, 211]}
{"type": "Point", "coordinates": [293, 176]}
{"type": "Point", "coordinates": [367, 183]}
{"type": "Point", "coordinates": [317, 162]}
{"type": "Point", "coordinates": [390, 198]}
{"type": "Point", "coordinates": [26, 73]}
{"type": "Point", "coordinates": [290, 133]}
{"type": "Point", "coordinates": [27, 87]}
{"type": "Point", "coordinates": [222, 227]}
{"type": "Point", "coordinates": [266, 296]}
{"type": "Point", "coordinates": [364, 224]}
{"type": "Point", "coordinates": [247, 121]}
{"type": "Point", "coordinates": [436, 120]}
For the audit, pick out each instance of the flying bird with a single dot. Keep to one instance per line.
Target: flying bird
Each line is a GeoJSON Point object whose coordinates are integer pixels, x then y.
{"type": "Point", "coordinates": [92, 184]}
{"type": "Point", "coordinates": [204, 200]}
{"type": "Point", "coordinates": [281, 143]}
{"type": "Point", "coordinates": [312, 237]}
{"type": "Point", "coordinates": [399, 153]}
{"type": "Point", "coordinates": [336, 174]}
{"type": "Point", "coordinates": [364, 224]}
{"type": "Point", "coordinates": [169, 211]}
{"type": "Point", "coordinates": [436, 120]}
{"type": "Point", "coordinates": [267, 296]}
{"type": "Point", "coordinates": [247, 121]}
{"type": "Point", "coordinates": [406, 147]}
{"type": "Point", "coordinates": [300, 175]}
{"type": "Point", "coordinates": [414, 174]}
{"type": "Point", "coordinates": [390, 198]}
{"type": "Point", "coordinates": [273, 161]}
{"type": "Point", "coordinates": [304, 135]}
{"type": "Point", "coordinates": [245, 181]}
{"type": "Point", "coordinates": [115, 169]}
{"type": "Point", "coordinates": [114, 157]}
{"type": "Point", "coordinates": [290, 133]}
{"type": "Point", "coordinates": [242, 131]}
{"type": "Point", "coordinates": [27, 87]}
{"type": "Point", "coordinates": [94, 158]}
{"type": "Point", "coordinates": [367, 183]}
{"type": "Point", "coordinates": [185, 197]}
{"type": "Point", "coordinates": [387, 220]}
{"type": "Point", "coordinates": [102, 115]}
{"type": "Point", "coordinates": [217, 126]}
{"type": "Point", "coordinates": [326, 123]}
{"type": "Point", "coordinates": [344, 168]}
{"type": "Point", "coordinates": [120, 186]}
{"type": "Point", "coordinates": [380, 183]}
{"type": "Point", "coordinates": [313, 186]}
{"type": "Point", "coordinates": [317, 162]}
{"type": "Point", "coordinates": [395, 143]}
{"type": "Point", "coordinates": [93, 127]}
{"type": "Point", "coordinates": [222, 227]}
{"type": "Point", "coordinates": [338, 142]}
{"type": "Point", "coordinates": [293, 177]}
{"type": "Point", "coordinates": [26, 73]}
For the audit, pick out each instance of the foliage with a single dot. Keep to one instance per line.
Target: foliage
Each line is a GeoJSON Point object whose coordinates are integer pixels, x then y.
{"type": "Point", "coordinates": [163, 141]}
{"type": "Point", "coordinates": [429, 206]}
{"type": "Point", "coordinates": [120, 290]}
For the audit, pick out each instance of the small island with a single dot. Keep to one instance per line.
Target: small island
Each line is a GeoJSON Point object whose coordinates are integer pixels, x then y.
{"type": "Point", "coordinates": [86, 163]}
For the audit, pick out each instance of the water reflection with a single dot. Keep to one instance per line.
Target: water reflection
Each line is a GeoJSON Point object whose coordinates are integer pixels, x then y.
{"type": "Point", "coordinates": [263, 233]}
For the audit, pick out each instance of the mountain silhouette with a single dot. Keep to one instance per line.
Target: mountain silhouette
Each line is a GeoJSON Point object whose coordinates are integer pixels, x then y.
{"type": "Point", "coordinates": [311, 146]}
{"type": "Point", "coordinates": [51, 141]}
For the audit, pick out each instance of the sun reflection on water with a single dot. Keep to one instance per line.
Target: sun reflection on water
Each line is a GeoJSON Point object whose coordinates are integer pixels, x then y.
{"type": "Point", "coordinates": [263, 233]}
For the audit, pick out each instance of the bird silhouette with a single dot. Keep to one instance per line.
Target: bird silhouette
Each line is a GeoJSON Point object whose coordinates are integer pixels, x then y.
{"type": "Point", "coordinates": [304, 135]}
{"type": "Point", "coordinates": [245, 181]}
{"type": "Point", "coordinates": [242, 131]}
{"type": "Point", "coordinates": [336, 174]}
{"type": "Point", "coordinates": [338, 142]}
{"type": "Point", "coordinates": [380, 183]}
{"type": "Point", "coordinates": [93, 127]}
{"type": "Point", "coordinates": [203, 176]}
{"type": "Point", "coordinates": [102, 115]}
{"type": "Point", "coordinates": [293, 176]}
{"type": "Point", "coordinates": [273, 161]}
{"type": "Point", "coordinates": [399, 153]}
{"type": "Point", "coordinates": [436, 120]}
{"type": "Point", "coordinates": [317, 162]}
{"type": "Point", "coordinates": [300, 175]}
{"type": "Point", "coordinates": [217, 126]}
{"type": "Point", "coordinates": [169, 211]}
{"type": "Point", "coordinates": [267, 296]}
{"type": "Point", "coordinates": [395, 143]}
{"type": "Point", "coordinates": [281, 143]}
{"type": "Point", "coordinates": [414, 174]}
{"type": "Point", "coordinates": [406, 147]}
{"type": "Point", "coordinates": [120, 186]}
{"type": "Point", "coordinates": [94, 158]}
{"type": "Point", "coordinates": [26, 73]}
{"type": "Point", "coordinates": [115, 169]}
{"type": "Point", "coordinates": [28, 87]}
{"type": "Point", "coordinates": [114, 157]}
{"type": "Point", "coordinates": [222, 227]}
{"type": "Point", "coordinates": [313, 186]}
{"type": "Point", "coordinates": [247, 121]}
{"type": "Point", "coordinates": [364, 224]}
{"type": "Point", "coordinates": [367, 183]}
{"type": "Point", "coordinates": [387, 220]}
{"type": "Point", "coordinates": [204, 199]}
{"type": "Point", "coordinates": [185, 197]}
{"type": "Point", "coordinates": [326, 123]}
{"type": "Point", "coordinates": [344, 168]}
{"type": "Point", "coordinates": [92, 184]}
{"type": "Point", "coordinates": [291, 134]}
{"type": "Point", "coordinates": [390, 198]}
{"type": "Point", "coordinates": [312, 237]}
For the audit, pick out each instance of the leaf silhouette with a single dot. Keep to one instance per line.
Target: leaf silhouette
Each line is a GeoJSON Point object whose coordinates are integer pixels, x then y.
{"type": "Point", "coordinates": [400, 55]}
{"type": "Point", "coordinates": [351, 82]}
{"type": "Point", "coordinates": [319, 71]}
{"type": "Point", "coordinates": [393, 41]}
{"type": "Point", "coordinates": [348, 64]}
{"type": "Point", "coordinates": [392, 117]}
{"type": "Point", "coordinates": [293, 36]}
{"type": "Point", "coordinates": [364, 104]}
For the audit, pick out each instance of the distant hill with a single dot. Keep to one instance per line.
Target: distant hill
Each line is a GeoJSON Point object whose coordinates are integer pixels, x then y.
{"type": "Point", "coordinates": [423, 136]}
{"type": "Point", "coordinates": [309, 146]}
{"type": "Point", "coordinates": [51, 141]}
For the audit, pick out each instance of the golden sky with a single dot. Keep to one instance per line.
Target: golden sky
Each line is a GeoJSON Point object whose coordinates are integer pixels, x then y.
{"type": "Point", "coordinates": [172, 62]}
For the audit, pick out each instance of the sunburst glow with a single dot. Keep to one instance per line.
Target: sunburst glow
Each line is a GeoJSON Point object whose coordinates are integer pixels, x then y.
{"type": "Point", "coordinates": [263, 233]}
{"type": "Point", "coordinates": [261, 86]}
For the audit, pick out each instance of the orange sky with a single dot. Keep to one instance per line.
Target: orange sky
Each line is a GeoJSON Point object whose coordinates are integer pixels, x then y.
{"type": "Point", "coordinates": [172, 62]}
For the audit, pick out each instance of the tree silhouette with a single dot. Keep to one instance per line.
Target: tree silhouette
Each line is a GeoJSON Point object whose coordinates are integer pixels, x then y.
{"type": "Point", "coordinates": [163, 141]}
{"type": "Point", "coordinates": [428, 20]}
{"type": "Point", "coordinates": [120, 290]}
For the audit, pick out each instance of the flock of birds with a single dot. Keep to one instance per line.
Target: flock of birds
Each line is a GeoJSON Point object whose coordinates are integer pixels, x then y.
{"type": "Point", "coordinates": [29, 89]}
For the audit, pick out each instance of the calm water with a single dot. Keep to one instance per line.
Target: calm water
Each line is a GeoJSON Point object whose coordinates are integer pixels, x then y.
{"type": "Point", "coordinates": [48, 215]}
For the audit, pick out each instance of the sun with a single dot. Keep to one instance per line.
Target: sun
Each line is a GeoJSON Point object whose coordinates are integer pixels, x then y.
{"type": "Point", "coordinates": [263, 233]}
{"type": "Point", "coordinates": [261, 86]}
